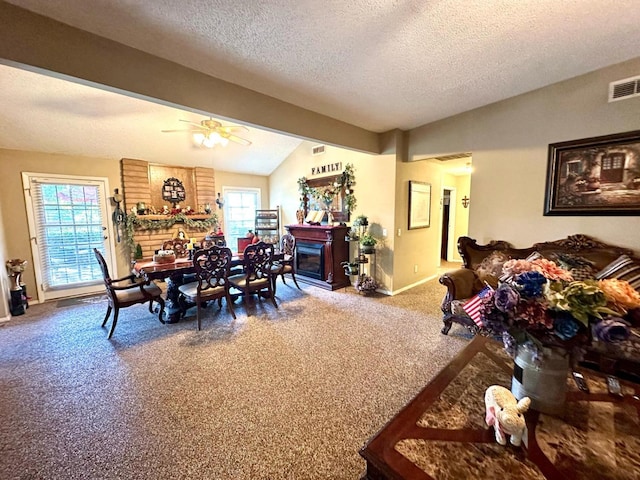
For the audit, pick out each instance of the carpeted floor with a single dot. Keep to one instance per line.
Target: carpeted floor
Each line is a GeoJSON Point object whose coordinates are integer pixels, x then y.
{"type": "Point", "coordinates": [291, 393]}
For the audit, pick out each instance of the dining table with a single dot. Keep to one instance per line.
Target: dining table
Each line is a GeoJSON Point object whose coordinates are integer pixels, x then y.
{"type": "Point", "coordinates": [173, 273]}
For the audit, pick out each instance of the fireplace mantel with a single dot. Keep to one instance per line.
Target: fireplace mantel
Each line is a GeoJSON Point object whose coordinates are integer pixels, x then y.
{"type": "Point", "coordinates": [335, 248]}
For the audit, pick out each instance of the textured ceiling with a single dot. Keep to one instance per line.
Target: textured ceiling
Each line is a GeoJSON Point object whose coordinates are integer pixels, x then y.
{"type": "Point", "coordinates": [46, 114]}
{"type": "Point", "coordinates": [377, 64]}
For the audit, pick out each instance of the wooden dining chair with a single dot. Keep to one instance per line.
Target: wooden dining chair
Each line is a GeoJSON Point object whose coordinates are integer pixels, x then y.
{"type": "Point", "coordinates": [286, 264]}
{"type": "Point", "coordinates": [211, 279]}
{"type": "Point", "coordinates": [257, 261]}
{"type": "Point", "coordinates": [178, 245]}
{"type": "Point", "coordinates": [126, 291]}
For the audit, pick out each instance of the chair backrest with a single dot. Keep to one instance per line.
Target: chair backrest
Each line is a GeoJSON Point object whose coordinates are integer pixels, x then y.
{"type": "Point", "coordinates": [212, 240]}
{"type": "Point", "coordinates": [108, 283]}
{"type": "Point", "coordinates": [258, 260]}
{"type": "Point", "coordinates": [287, 244]}
{"type": "Point", "coordinates": [103, 267]}
{"type": "Point", "coordinates": [178, 245]}
{"type": "Point", "coordinates": [212, 266]}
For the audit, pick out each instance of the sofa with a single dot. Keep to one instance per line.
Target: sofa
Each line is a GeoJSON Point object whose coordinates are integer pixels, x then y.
{"type": "Point", "coordinates": [584, 256]}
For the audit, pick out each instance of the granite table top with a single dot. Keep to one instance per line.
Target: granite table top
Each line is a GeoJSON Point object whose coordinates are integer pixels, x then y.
{"type": "Point", "coordinates": [441, 433]}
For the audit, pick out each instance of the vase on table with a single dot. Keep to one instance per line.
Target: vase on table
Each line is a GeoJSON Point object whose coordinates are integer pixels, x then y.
{"type": "Point", "coordinates": [543, 380]}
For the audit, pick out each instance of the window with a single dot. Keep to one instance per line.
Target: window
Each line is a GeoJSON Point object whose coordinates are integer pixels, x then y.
{"type": "Point", "coordinates": [240, 205]}
{"type": "Point", "coordinates": [66, 222]}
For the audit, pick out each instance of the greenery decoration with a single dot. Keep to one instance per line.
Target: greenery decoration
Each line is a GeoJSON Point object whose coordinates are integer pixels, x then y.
{"type": "Point", "coordinates": [361, 221]}
{"type": "Point", "coordinates": [327, 193]}
{"type": "Point", "coordinates": [367, 240]}
{"type": "Point", "coordinates": [134, 222]}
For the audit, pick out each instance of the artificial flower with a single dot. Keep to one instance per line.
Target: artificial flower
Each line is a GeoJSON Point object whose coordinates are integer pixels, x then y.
{"type": "Point", "coordinates": [551, 270]}
{"type": "Point", "coordinates": [514, 267]}
{"type": "Point", "coordinates": [530, 284]}
{"type": "Point", "coordinates": [580, 299]}
{"type": "Point", "coordinates": [565, 327]}
{"type": "Point", "coordinates": [506, 298]}
{"type": "Point", "coordinates": [612, 330]}
{"type": "Point", "coordinates": [620, 293]}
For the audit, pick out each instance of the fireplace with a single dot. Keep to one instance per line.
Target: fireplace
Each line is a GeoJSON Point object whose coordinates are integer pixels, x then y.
{"type": "Point", "coordinates": [320, 250]}
{"type": "Point", "coordinates": [310, 259]}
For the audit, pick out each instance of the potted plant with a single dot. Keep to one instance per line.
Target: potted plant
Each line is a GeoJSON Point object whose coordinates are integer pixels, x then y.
{"type": "Point", "coordinates": [366, 285]}
{"type": "Point", "coordinates": [352, 235]}
{"type": "Point", "coordinates": [361, 221]}
{"type": "Point", "coordinates": [367, 243]}
{"type": "Point", "coordinates": [350, 268]}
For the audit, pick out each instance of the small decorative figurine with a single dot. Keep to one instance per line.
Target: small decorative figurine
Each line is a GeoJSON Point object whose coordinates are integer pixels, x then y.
{"type": "Point", "coordinates": [505, 413]}
{"type": "Point", "coordinates": [15, 268]}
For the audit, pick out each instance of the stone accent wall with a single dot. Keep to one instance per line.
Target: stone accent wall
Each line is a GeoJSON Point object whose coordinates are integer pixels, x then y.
{"type": "Point", "coordinates": [137, 188]}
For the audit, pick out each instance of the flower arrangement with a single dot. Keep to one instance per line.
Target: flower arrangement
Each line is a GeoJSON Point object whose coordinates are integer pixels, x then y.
{"type": "Point", "coordinates": [366, 284]}
{"type": "Point", "coordinates": [540, 304]}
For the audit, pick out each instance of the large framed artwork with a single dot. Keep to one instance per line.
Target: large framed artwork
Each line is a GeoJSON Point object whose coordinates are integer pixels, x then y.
{"type": "Point", "coordinates": [419, 204]}
{"type": "Point", "coordinates": [594, 176]}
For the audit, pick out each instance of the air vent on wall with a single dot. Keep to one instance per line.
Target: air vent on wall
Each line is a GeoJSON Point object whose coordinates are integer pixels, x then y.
{"type": "Point", "coordinates": [455, 156]}
{"type": "Point", "coordinates": [623, 89]}
{"type": "Point", "coordinates": [317, 150]}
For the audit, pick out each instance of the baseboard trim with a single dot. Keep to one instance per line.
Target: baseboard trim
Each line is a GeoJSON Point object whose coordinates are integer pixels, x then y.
{"type": "Point", "coordinates": [409, 287]}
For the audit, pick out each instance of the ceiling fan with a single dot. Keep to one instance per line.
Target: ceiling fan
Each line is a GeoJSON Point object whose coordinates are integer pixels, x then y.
{"type": "Point", "coordinates": [209, 133]}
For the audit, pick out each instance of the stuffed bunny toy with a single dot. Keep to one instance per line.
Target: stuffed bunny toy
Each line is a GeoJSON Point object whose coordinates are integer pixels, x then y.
{"type": "Point", "coordinates": [505, 413]}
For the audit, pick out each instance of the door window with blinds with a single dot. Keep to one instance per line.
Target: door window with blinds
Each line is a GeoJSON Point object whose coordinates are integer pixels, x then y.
{"type": "Point", "coordinates": [67, 220]}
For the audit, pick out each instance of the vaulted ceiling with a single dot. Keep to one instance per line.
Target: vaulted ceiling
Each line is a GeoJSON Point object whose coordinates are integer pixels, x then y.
{"type": "Point", "coordinates": [376, 64]}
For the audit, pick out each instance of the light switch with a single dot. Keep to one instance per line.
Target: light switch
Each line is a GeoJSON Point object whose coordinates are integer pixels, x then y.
{"type": "Point", "coordinates": [384, 232]}
{"type": "Point", "coordinates": [399, 232]}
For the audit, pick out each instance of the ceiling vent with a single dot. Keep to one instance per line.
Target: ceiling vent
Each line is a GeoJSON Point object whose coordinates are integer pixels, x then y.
{"type": "Point", "coordinates": [623, 89]}
{"type": "Point", "coordinates": [317, 150]}
{"type": "Point", "coordinates": [455, 156]}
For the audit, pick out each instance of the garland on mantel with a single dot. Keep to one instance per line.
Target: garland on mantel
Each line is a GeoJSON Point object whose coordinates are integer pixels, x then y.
{"type": "Point", "coordinates": [133, 222]}
{"type": "Point", "coordinates": [326, 194]}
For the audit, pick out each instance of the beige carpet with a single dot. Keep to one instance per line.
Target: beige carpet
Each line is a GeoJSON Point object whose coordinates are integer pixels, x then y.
{"type": "Point", "coordinates": [291, 393]}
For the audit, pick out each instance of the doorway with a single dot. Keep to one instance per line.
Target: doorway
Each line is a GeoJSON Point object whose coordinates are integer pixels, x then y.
{"type": "Point", "coordinates": [67, 218]}
{"type": "Point", "coordinates": [448, 223]}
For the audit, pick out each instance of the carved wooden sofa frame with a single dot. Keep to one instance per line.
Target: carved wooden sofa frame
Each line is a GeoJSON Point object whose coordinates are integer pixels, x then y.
{"type": "Point", "coordinates": [464, 282]}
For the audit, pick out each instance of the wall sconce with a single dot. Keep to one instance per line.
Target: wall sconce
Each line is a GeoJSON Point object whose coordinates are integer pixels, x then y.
{"type": "Point", "coordinates": [465, 201]}
{"type": "Point", "coordinates": [118, 214]}
{"type": "Point", "coordinates": [219, 201]}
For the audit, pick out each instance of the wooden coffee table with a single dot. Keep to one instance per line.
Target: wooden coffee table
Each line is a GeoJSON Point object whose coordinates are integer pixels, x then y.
{"type": "Point", "coordinates": [441, 433]}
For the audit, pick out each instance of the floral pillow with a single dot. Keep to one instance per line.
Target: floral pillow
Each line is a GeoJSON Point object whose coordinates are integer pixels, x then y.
{"type": "Point", "coordinates": [490, 268]}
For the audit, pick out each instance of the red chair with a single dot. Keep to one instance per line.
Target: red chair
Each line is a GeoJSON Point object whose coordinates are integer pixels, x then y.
{"type": "Point", "coordinates": [244, 243]}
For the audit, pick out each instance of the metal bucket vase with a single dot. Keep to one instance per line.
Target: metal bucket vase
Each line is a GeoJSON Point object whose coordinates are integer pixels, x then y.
{"type": "Point", "coordinates": [544, 382]}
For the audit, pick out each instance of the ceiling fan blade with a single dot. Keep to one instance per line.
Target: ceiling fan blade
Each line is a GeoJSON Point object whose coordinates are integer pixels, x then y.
{"type": "Point", "coordinates": [233, 128]}
{"type": "Point", "coordinates": [198, 125]}
{"type": "Point", "coordinates": [181, 130]}
{"type": "Point", "coordinates": [240, 140]}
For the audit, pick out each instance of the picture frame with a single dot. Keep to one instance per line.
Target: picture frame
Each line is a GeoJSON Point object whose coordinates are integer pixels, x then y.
{"type": "Point", "coordinates": [594, 176]}
{"type": "Point", "coordinates": [419, 205]}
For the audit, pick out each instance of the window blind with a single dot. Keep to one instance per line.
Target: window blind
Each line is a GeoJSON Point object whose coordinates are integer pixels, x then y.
{"type": "Point", "coordinates": [69, 225]}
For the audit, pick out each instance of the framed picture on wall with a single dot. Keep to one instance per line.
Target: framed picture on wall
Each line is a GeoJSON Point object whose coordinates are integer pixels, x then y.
{"type": "Point", "coordinates": [419, 204]}
{"type": "Point", "coordinates": [594, 176]}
